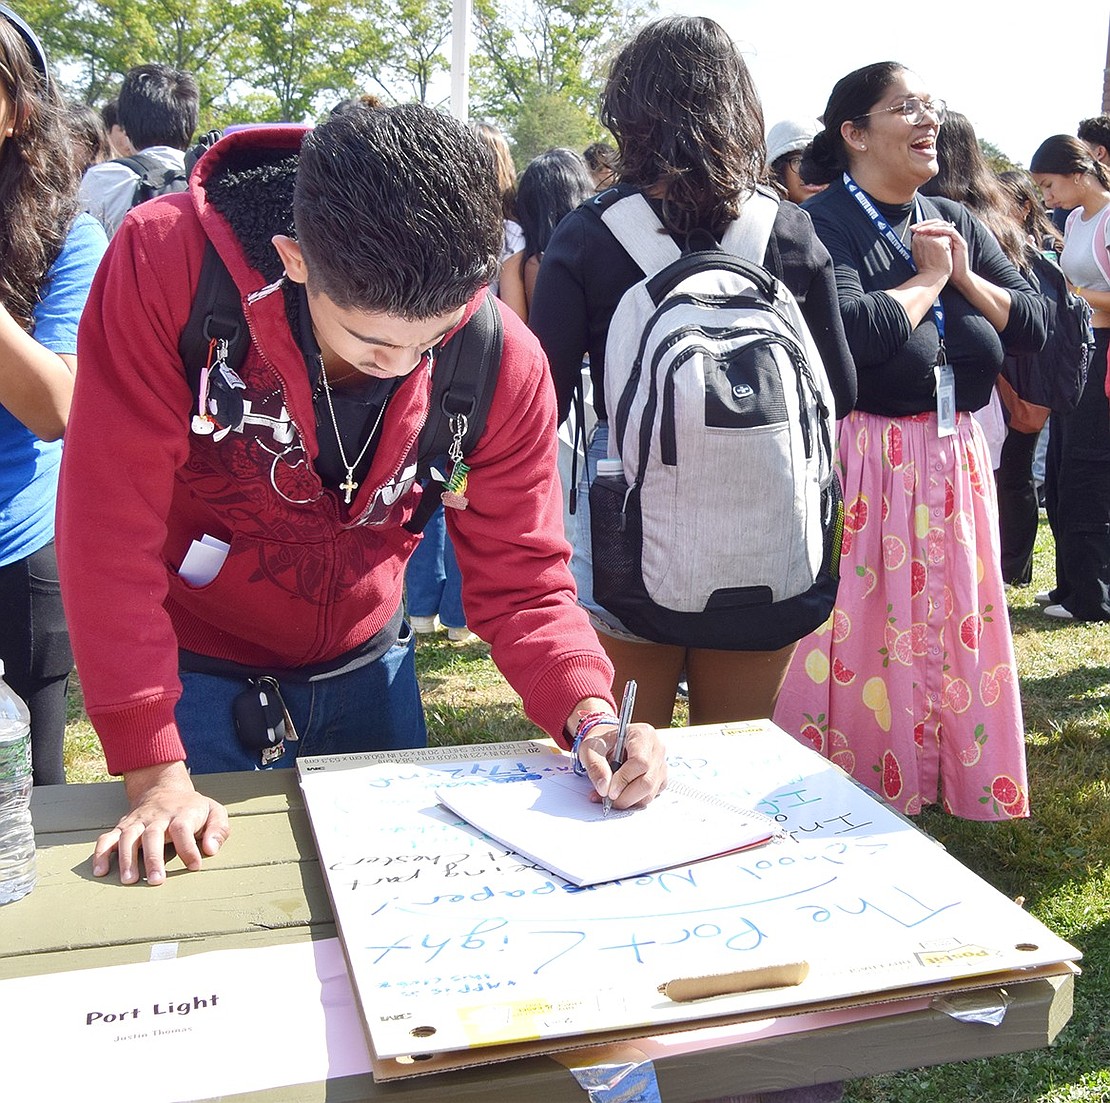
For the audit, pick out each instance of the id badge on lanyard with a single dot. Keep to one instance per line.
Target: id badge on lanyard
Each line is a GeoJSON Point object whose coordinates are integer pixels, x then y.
{"type": "Point", "coordinates": [943, 374]}
{"type": "Point", "coordinates": [946, 395]}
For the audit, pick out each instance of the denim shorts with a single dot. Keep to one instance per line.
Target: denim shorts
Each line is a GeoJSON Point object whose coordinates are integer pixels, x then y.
{"type": "Point", "coordinates": [375, 707]}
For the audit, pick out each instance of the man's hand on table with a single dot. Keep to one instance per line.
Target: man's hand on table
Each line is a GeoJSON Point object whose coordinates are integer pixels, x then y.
{"type": "Point", "coordinates": [165, 808]}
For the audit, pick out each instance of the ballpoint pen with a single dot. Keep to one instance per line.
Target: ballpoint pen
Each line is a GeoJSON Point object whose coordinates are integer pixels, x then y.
{"type": "Point", "coordinates": [627, 703]}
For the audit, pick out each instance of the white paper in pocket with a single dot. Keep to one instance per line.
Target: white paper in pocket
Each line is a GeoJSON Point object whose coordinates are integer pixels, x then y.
{"type": "Point", "coordinates": [203, 560]}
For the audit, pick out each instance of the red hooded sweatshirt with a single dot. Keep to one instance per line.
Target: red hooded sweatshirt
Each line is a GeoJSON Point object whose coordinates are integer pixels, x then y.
{"type": "Point", "coordinates": [306, 579]}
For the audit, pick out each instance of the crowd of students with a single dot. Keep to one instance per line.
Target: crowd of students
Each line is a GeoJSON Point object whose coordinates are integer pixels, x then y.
{"type": "Point", "coordinates": [911, 686]}
{"type": "Point", "coordinates": [911, 265]}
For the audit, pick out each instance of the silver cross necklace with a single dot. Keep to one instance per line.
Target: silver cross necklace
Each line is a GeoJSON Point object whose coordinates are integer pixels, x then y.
{"type": "Point", "coordinates": [349, 485]}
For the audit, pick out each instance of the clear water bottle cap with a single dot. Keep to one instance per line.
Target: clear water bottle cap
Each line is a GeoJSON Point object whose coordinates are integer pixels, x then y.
{"type": "Point", "coordinates": [610, 467]}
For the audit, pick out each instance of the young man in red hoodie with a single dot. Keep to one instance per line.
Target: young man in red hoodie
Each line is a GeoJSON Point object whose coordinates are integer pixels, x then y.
{"type": "Point", "coordinates": [203, 565]}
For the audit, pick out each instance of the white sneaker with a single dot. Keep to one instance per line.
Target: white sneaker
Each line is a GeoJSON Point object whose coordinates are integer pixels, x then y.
{"type": "Point", "coordinates": [424, 626]}
{"type": "Point", "coordinates": [1043, 598]}
{"type": "Point", "coordinates": [460, 635]}
{"type": "Point", "coordinates": [1059, 612]}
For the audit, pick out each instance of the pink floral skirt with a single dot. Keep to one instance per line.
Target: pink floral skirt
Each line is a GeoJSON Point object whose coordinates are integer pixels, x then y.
{"type": "Point", "coordinates": [910, 686]}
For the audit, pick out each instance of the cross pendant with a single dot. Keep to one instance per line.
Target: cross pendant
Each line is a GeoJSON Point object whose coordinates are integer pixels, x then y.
{"type": "Point", "coordinates": [349, 486]}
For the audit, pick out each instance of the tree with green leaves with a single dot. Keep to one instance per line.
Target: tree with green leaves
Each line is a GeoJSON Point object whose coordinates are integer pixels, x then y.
{"type": "Point", "coordinates": [413, 36]}
{"type": "Point", "coordinates": [538, 67]}
{"type": "Point", "coordinates": [306, 51]}
{"type": "Point", "coordinates": [93, 43]}
{"type": "Point", "coordinates": [997, 160]}
{"type": "Point", "coordinates": [532, 54]}
{"type": "Point", "coordinates": [547, 119]}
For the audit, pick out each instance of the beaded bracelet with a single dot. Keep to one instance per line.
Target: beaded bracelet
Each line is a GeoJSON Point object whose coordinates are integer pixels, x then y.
{"type": "Point", "coordinates": [585, 725]}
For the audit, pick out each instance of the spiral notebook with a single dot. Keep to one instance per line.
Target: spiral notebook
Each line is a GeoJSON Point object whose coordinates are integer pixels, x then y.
{"type": "Point", "coordinates": [549, 818]}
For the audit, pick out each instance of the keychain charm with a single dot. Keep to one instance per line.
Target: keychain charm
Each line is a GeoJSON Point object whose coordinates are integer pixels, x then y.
{"type": "Point", "coordinates": [454, 491]}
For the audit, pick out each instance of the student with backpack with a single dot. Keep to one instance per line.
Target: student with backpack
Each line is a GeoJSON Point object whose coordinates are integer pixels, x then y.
{"type": "Point", "coordinates": [910, 687]}
{"type": "Point", "coordinates": [1077, 475]}
{"type": "Point", "coordinates": [233, 549]}
{"type": "Point", "coordinates": [157, 109]}
{"type": "Point", "coordinates": [689, 128]}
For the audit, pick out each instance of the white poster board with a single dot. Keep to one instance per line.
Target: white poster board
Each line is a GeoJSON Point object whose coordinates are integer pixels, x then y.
{"type": "Point", "coordinates": [454, 943]}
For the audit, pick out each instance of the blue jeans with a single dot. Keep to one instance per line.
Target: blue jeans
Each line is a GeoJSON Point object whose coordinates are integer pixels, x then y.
{"type": "Point", "coordinates": [373, 708]}
{"type": "Point", "coordinates": [432, 580]}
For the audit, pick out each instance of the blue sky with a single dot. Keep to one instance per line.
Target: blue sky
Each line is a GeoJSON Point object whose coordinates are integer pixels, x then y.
{"type": "Point", "coordinates": [991, 61]}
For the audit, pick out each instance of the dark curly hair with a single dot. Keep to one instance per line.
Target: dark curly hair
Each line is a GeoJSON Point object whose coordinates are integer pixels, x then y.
{"type": "Point", "coordinates": [38, 178]}
{"type": "Point", "coordinates": [681, 104]}
{"type": "Point", "coordinates": [396, 211]}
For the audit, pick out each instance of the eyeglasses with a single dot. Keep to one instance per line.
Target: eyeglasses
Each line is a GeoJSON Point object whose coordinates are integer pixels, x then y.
{"type": "Point", "coordinates": [795, 162]}
{"type": "Point", "coordinates": [914, 110]}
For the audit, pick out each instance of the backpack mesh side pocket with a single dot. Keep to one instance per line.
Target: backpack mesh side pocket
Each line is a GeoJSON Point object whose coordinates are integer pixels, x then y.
{"type": "Point", "coordinates": [616, 536]}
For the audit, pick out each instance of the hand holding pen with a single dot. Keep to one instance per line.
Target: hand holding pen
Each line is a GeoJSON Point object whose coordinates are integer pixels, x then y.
{"type": "Point", "coordinates": [628, 703]}
{"type": "Point", "coordinates": [641, 770]}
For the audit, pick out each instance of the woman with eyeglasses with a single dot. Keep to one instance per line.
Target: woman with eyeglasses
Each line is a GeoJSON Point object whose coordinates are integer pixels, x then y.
{"type": "Point", "coordinates": [911, 685]}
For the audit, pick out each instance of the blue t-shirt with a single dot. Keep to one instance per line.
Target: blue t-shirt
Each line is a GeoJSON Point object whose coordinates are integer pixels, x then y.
{"type": "Point", "coordinates": [29, 466]}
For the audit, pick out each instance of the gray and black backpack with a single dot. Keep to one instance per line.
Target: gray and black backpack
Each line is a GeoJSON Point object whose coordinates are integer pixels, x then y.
{"type": "Point", "coordinates": [721, 526]}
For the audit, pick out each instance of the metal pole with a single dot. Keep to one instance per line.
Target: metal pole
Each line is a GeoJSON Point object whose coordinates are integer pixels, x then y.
{"type": "Point", "coordinates": [1106, 80]}
{"type": "Point", "coordinates": [460, 58]}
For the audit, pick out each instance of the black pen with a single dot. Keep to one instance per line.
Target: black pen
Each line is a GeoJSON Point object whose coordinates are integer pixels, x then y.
{"type": "Point", "coordinates": [627, 703]}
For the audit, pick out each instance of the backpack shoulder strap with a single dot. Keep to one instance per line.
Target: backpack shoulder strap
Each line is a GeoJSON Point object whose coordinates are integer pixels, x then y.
{"type": "Point", "coordinates": [749, 235]}
{"type": "Point", "coordinates": [463, 383]}
{"type": "Point", "coordinates": [216, 315]}
{"type": "Point", "coordinates": [151, 173]}
{"type": "Point", "coordinates": [640, 233]}
{"type": "Point", "coordinates": [137, 163]}
{"type": "Point", "coordinates": [1098, 242]}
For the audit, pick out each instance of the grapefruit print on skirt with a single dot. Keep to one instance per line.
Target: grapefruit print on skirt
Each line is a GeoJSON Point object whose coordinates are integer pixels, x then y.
{"type": "Point", "coordinates": [914, 671]}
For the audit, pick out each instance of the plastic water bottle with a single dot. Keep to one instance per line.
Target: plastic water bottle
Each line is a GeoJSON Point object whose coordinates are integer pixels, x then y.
{"type": "Point", "coordinates": [17, 836]}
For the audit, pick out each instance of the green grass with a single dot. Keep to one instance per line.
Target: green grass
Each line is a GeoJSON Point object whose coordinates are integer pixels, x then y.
{"type": "Point", "coordinates": [1057, 859]}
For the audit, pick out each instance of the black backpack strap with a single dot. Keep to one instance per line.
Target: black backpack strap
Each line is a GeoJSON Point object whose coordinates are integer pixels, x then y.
{"type": "Point", "coordinates": [154, 178]}
{"type": "Point", "coordinates": [138, 164]}
{"type": "Point", "coordinates": [216, 315]}
{"type": "Point", "coordinates": [463, 382]}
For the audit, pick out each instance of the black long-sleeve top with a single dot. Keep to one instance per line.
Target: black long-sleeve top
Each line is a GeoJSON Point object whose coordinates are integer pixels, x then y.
{"type": "Point", "coordinates": [585, 272]}
{"type": "Point", "coordinates": [894, 363]}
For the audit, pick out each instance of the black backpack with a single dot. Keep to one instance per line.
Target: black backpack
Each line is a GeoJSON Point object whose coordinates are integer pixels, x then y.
{"type": "Point", "coordinates": [154, 178]}
{"type": "Point", "coordinates": [463, 382]}
{"type": "Point", "coordinates": [1055, 376]}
